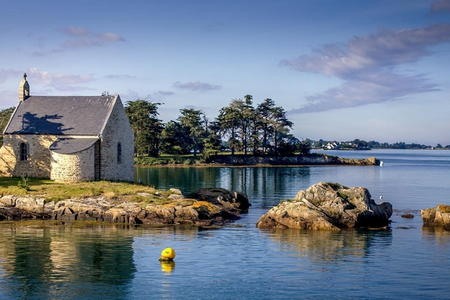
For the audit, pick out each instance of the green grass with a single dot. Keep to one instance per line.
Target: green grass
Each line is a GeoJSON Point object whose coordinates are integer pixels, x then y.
{"type": "Point", "coordinates": [53, 191]}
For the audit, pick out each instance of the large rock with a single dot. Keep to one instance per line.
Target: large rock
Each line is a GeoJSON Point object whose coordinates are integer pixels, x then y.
{"type": "Point", "coordinates": [437, 217]}
{"type": "Point", "coordinates": [328, 206]}
{"type": "Point", "coordinates": [221, 196]}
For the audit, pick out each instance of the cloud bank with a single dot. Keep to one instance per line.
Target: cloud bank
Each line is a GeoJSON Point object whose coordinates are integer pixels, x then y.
{"type": "Point", "coordinates": [440, 6]}
{"type": "Point", "coordinates": [196, 86]}
{"type": "Point", "coordinates": [79, 37]}
{"type": "Point", "coordinates": [119, 76]}
{"type": "Point", "coordinates": [56, 81]}
{"type": "Point", "coordinates": [366, 65]}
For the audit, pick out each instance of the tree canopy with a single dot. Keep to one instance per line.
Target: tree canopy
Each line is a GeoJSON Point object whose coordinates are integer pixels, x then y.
{"type": "Point", "coordinates": [240, 126]}
{"type": "Point", "coordinates": [147, 128]}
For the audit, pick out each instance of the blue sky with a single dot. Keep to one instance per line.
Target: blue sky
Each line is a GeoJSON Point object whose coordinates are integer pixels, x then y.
{"type": "Point", "coordinates": [343, 69]}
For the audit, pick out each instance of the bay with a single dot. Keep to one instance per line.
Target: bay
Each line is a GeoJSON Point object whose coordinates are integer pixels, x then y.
{"type": "Point", "coordinates": [43, 261]}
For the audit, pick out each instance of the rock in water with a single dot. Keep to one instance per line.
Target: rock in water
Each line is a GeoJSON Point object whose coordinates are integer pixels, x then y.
{"type": "Point", "coordinates": [437, 217]}
{"type": "Point", "coordinates": [220, 196]}
{"type": "Point", "coordinates": [407, 216]}
{"type": "Point", "coordinates": [328, 206]}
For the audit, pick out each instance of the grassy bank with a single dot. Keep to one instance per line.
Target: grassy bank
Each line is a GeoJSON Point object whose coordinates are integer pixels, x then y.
{"type": "Point", "coordinates": [168, 159]}
{"type": "Point", "coordinates": [240, 159]}
{"type": "Point", "coordinates": [53, 191]}
{"type": "Point", "coordinates": [184, 159]}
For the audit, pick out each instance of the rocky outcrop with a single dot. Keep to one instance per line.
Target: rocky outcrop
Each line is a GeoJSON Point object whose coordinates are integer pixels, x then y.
{"type": "Point", "coordinates": [310, 159]}
{"type": "Point", "coordinates": [328, 206]}
{"type": "Point", "coordinates": [438, 216]}
{"type": "Point", "coordinates": [207, 207]}
{"type": "Point", "coordinates": [218, 195]}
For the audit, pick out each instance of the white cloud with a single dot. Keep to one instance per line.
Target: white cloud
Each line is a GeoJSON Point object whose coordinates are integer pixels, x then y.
{"type": "Point", "coordinates": [367, 63]}
{"type": "Point", "coordinates": [441, 6]}
{"type": "Point", "coordinates": [75, 31]}
{"type": "Point", "coordinates": [382, 49]}
{"type": "Point", "coordinates": [45, 79]}
{"type": "Point", "coordinates": [379, 88]}
{"type": "Point", "coordinates": [57, 79]}
{"type": "Point", "coordinates": [196, 86]}
{"type": "Point", "coordinates": [119, 76]}
{"type": "Point", "coordinates": [165, 93]}
{"type": "Point", "coordinates": [82, 38]}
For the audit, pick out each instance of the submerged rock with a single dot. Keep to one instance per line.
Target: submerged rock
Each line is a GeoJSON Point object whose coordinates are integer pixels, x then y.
{"type": "Point", "coordinates": [207, 207]}
{"type": "Point", "coordinates": [407, 216]}
{"type": "Point", "coordinates": [438, 216]}
{"type": "Point", "coordinates": [328, 206]}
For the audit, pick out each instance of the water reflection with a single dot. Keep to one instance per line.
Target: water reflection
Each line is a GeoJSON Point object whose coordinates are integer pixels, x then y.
{"type": "Point", "coordinates": [41, 259]}
{"type": "Point", "coordinates": [45, 261]}
{"type": "Point", "coordinates": [326, 246]}
{"type": "Point", "coordinates": [269, 185]}
{"type": "Point", "coordinates": [437, 234]}
{"type": "Point", "coordinates": [167, 266]}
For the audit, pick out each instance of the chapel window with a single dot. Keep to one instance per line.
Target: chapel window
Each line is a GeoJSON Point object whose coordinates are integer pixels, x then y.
{"type": "Point", "coordinates": [119, 153]}
{"type": "Point", "coordinates": [23, 151]}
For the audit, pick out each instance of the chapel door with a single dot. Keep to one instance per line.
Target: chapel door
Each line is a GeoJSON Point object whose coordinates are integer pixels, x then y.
{"type": "Point", "coordinates": [97, 161]}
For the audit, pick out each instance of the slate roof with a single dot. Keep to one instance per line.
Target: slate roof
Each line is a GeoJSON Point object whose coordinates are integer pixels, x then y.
{"type": "Point", "coordinates": [61, 115]}
{"type": "Point", "coordinates": [72, 145]}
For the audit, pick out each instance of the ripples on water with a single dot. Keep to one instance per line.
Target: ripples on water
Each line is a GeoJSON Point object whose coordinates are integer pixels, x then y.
{"type": "Point", "coordinates": [43, 261]}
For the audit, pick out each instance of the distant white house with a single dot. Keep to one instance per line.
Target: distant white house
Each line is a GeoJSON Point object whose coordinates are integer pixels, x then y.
{"type": "Point", "coordinates": [331, 146]}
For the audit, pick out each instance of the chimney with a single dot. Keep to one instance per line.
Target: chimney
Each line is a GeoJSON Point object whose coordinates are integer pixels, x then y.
{"type": "Point", "coordinates": [24, 88]}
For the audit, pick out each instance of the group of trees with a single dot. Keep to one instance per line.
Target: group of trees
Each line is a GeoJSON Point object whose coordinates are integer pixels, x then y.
{"type": "Point", "coordinates": [4, 118]}
{"type": "Point", "coordinates": [239, 127]}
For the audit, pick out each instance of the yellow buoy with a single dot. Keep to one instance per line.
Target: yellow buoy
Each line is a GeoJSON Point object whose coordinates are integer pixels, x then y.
{"type": "Point", "coordinates": [167, 254]}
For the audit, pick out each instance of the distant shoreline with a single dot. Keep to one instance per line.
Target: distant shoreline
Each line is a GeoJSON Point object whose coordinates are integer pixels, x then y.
{"type": "Point", "coordinates": [314, 159]}
{"type": "Point", "coordinates": [363, 150]}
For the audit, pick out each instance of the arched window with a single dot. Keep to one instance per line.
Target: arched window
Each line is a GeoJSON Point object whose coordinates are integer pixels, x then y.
{"type": "Point", "coordinates": [119, 153]}
{"type": "Point", "coordinates": [23, 151]}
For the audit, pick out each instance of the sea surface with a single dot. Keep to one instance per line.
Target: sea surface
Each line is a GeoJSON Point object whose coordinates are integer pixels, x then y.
{"type": "Point", "coordinates": [43, 261]}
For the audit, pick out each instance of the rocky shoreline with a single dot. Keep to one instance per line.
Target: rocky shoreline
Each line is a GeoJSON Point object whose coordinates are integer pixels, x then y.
{"type": "Point", "coordinates": [207, 207]}
{"type": "Point", "coordinates": [323, 206]}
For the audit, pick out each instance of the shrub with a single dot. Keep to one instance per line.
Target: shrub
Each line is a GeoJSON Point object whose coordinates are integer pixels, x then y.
{"type": "Point", "coordinates": [24, 183]}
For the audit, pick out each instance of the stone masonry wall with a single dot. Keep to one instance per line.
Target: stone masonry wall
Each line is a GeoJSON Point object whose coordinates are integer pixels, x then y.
{"type": "Point", "coordinates": [38, 163]}
{"type": "Point", "coordinates": [78, 166]}
{"type": "Point", "coordinates": [73, 167]}
{"type": "Point", "coordinates": [117, 130]}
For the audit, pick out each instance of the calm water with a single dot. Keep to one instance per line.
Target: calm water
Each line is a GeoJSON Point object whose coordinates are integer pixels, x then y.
{"type": "Point", "coordinates": [42, 261]}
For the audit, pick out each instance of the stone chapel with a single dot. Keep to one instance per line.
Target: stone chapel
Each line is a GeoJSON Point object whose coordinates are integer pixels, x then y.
{"type": "Point", "coordinates": [68, 138]}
